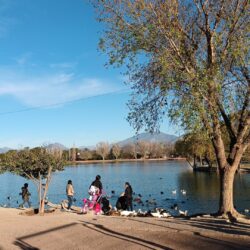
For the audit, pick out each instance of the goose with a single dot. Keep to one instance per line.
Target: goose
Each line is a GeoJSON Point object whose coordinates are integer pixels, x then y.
{"type": "Point", "coordinates": [166, 214]}
{"type": "Point", "coordinates": [128, 213]}
{"type": "Point", "coordinates": [183, 213]}
{"type": "Point", "coordinates": [157, 214]}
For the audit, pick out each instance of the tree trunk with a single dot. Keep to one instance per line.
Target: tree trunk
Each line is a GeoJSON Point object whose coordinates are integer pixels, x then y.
{"type": "Point", "coordinates": [42, 201]}
{"type": "Point", "coordinates": [226, 205]}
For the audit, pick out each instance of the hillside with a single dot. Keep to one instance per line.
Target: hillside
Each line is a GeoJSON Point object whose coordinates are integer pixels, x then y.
{"type": "Point", "coordinates": [156, 137]}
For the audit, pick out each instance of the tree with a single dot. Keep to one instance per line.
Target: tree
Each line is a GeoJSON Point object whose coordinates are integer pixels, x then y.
{"type": "Point", "coordinates": [102, 149]}
{"type": "Point", "coordinates": [116, 151]}
{"type": "Point", "coordinates": [143, 148]}
{"type": "Point", "coordinates": [196, 146]}
{"type": "Point", "coordinates": [72, 153]}
{"type": "Point", "coordinates": [36, 164]}
{"type": "Point", "coordinates": [86, 154]}
{"type": "Point", "coordinates": [190, 59]}
{"type": "Point", "coordinates": [130, 150]}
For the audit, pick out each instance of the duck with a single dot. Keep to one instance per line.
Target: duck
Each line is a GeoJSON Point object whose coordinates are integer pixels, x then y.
{"type": "Point", "coordinates": [184, 192]}
{"type": "Point", "coordinates": [173, 191]}
{"type": "Point", "coordinates": [152, 202]}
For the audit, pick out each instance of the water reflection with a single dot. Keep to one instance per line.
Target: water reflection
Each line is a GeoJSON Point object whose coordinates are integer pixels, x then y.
{"type": "Point", "coordinates": [153, 180]}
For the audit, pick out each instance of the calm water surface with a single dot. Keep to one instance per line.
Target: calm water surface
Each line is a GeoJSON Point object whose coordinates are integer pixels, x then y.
{"type": "Point", "coordinates": [149, 179]}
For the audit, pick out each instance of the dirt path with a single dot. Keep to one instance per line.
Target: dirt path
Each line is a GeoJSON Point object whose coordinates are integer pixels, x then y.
{"type": "Point", "coordinates": [62, 230]}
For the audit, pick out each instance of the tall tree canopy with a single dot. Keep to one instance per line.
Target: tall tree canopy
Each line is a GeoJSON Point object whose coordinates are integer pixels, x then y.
{"type": "Point", "coordinates": [189, 58]}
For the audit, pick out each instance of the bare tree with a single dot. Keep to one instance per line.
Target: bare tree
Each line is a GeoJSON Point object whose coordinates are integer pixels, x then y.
{"type": "Point", "coordinates": [116, 151]}
{"type": "Point", "coordinates": [102, 149]}
{"type": "Point", "coordinates": [131, 150]}
{"type": "Point", "coordinates": [143, 148]}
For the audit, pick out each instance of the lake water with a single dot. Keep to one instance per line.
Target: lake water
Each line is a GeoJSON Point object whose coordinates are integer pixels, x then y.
{"type": "Point", "coordinates": [153, 180]}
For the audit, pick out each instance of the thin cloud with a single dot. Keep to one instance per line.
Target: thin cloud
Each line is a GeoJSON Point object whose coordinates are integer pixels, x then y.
{"type": "Point", "coordinates": [45, 90]}
{"type": "Point", "coordinates": [64, 65]}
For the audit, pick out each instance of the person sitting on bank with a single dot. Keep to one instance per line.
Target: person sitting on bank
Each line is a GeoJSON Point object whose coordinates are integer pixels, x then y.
{"type": "Point", "coordinates": [121, 203]}
{"type": "Point", "coordinates": [70, 193]}
{"type": "Point", "coordinates": [129, 196]}
{"type": "Point", "coordinates": [25, 195]}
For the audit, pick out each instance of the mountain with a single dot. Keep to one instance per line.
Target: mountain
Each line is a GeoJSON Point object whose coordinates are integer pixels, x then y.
{"type": "Point", "coordinates": [4, 150]}
{"type": "Point", "coordinates": [156, 137]}
{"type": "Point", "coordinates": [56, 145]}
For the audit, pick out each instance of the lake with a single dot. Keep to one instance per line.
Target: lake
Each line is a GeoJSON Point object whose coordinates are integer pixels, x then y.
{"type": "Point", "coordinates": [150, 179]}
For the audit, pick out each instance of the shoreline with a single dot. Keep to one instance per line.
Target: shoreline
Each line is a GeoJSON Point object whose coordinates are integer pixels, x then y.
{"type": "Point", "coordinates": [64, 230]}
{"type": "Point", "coordinates": [125, 160]}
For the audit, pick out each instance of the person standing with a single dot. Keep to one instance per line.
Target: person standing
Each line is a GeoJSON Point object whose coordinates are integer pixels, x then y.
{"type": "Point", "coordinates": [70, 193]}
{"type": "Point", "coordinates": [95, 191]}
{"type": "Point", "coordinates": [25, 195]}
{"type": "Point", "coordinates": [97, 183]}
{"type": "Point", "coordinates": [129, 196]}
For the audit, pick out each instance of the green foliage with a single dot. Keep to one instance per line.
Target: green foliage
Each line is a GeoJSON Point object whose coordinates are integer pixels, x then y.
{"type": "Point", "coordinates": [195, 145]}
{"type": "Point", "coordinates": [187, 59]}
{"type": "Point", "coordinates": [31, 162]}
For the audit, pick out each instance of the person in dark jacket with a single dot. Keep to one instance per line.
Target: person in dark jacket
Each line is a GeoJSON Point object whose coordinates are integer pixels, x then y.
{"type": "Point", "coordinates": [25, 195]}
{"type": "Point", "coordinates": [121, 203]}
{"type": "Point", "coordinates": [97, 189]}
{"type": "Point", "coordinates": [97, 183]}
{"type": "Point", "coordinates": [129, 198]}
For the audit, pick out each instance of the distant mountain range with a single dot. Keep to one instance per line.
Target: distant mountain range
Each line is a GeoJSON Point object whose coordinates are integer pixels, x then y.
{"type": "Point", "coordinates": [156, 137]}
{"type": "Point", "coordinates": [56, 145]}
{"type": "Point", "coordinates": [148, 137]}
{"type": "Point", "coordinates": [4, 150]}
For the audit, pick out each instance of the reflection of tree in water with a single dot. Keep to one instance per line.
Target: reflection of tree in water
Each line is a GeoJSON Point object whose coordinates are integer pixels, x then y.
{"type": "Point", "coordinates": [200, 185]}
{"type": "Point", "coordinates": [205, 186]}
{"type": "Point", "coordinates": [242, 191]}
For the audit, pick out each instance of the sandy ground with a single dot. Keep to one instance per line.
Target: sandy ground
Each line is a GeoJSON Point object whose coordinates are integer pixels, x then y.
{"type": "Point", "coordinates": [64, 230]}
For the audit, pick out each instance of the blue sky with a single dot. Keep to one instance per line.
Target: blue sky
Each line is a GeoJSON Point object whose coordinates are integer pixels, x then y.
{"type": "Point", "coordinates": [49, 59]}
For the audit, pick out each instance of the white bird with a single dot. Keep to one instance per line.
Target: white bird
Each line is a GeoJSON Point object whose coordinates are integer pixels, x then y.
{"type": "Point", "coordinates": [183, 212]}
{"type": "Point", "coordinates": [173, 191]}
{"type": "Point", "coordinates": [157, 214]}
{"type": "Point", "coordinates": [128, 213]}
{"type": "Point", "coordinates": [246, 210]}
{"type": "Point", "coordinates": [184, 192]}
{"type": "Point", "coordinates": [165, 215]}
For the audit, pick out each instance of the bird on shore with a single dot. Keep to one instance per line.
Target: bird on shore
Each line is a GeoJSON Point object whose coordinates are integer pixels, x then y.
{"type": "Point", "coordinates": [128, 213]}
{"type": "Point", "coordinates": [157, 214]}
{"type": "Point", "coordinates": [183, 213]}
